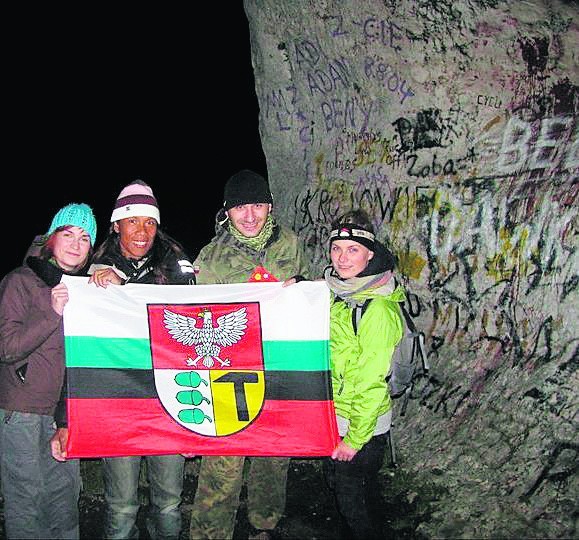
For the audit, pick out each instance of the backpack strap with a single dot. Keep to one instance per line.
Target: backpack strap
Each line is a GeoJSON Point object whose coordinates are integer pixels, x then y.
{"type": "Point", "coordinates": [357, 313]}
{"type": "Point", "coordinates": [407, 318]}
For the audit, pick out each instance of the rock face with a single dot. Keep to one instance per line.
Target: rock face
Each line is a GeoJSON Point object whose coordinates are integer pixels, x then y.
{"type": "Point", "coordinates": [454, 124]}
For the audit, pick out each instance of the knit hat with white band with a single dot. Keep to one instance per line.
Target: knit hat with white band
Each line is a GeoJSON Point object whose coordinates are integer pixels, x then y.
{"type": "Point", "coordinates": [349, 231]}
{"type": "Point", "coordinates": [136, 199]}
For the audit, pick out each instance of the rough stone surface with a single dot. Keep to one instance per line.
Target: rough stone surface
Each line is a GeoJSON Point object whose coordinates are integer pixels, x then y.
{"type": "Point", "coordinates": [454, 124]}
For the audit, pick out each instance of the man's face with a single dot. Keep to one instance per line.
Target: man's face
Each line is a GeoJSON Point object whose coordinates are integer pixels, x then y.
{"type": "Point", "coordinates": [136, 235]}
{"type": "Point", "coordinates": [249, 219]}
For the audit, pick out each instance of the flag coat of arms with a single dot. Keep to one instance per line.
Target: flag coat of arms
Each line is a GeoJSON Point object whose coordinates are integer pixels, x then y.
{"type": "Point", "coordinates": [240, 369]}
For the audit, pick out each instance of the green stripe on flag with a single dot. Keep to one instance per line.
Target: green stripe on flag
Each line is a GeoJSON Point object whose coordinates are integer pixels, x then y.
{"type": "Point", "coordinates": [131, 353]}
{"type": "Point", "coordinates": [296, 355]}
{"type": "Point", "coordinates": [88, 351]}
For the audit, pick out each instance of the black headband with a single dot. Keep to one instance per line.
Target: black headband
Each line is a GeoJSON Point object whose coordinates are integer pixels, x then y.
{"type": "Point", "coordinates": [348, 231]}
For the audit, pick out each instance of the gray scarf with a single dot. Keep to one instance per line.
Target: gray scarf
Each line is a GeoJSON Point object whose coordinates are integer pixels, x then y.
{"type": "Point", "coordinates": [355, 291]}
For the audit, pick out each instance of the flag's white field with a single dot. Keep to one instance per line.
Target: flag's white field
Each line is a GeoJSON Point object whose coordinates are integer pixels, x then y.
{"type": "Point", "coordinates": [288, 313]}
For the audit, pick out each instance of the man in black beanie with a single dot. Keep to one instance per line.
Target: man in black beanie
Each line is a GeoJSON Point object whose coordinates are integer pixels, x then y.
{"type": "Point", "coordinates": [249, 245]}
{"type": "Point", "coordinates": [246, 187]}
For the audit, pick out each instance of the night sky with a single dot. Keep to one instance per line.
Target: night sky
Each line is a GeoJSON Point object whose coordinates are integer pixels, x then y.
{"type": "Point", "coordinates": [97, 99]}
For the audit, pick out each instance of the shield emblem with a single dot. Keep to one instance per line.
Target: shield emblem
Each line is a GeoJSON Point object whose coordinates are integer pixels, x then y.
{"type": "Point", "coordinates": [208, 364]}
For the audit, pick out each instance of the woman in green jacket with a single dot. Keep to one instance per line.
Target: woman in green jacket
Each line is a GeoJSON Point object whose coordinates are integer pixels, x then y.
{"type": "Point", "coordinates": [360, 274]}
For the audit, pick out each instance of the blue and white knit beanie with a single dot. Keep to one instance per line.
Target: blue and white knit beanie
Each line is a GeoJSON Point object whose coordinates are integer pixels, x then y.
{"type": "Point", "coordinates": [75, 215]}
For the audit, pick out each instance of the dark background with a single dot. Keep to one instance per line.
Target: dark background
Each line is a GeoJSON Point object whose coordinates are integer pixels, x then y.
{"type": "Point", "coordinates": [98, 98]}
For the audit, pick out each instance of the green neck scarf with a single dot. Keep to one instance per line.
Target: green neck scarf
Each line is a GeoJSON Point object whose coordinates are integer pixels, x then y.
{"type": "Point", "coordinates": [257, 242]}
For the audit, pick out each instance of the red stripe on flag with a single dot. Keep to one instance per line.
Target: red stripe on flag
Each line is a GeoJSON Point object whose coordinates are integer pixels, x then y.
{"type": "Point", "coordinates": [137, 427]}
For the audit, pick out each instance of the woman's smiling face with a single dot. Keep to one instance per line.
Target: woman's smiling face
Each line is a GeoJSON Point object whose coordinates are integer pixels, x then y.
{"type": "Point", "coordinates": [136, 235]}
{"type": "Point", "coordinates": [349, 258]}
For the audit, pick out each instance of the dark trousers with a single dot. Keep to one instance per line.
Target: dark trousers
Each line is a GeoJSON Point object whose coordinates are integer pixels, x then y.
{"type": "Point", "coordinates": [356, 488]}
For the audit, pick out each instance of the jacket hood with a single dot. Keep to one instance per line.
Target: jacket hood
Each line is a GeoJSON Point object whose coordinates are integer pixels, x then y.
{"type": "Point", "coordinates": [383, 261]}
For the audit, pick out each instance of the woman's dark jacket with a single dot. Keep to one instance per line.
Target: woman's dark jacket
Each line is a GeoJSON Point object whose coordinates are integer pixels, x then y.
{"type": "Point", "coordinates": [166, 264]}
{"type": "Point", "coordinates": [31, 339]}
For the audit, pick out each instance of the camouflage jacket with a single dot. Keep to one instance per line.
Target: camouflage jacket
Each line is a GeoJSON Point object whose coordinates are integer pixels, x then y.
{"type": "Point", "coordinates": [226, 260]}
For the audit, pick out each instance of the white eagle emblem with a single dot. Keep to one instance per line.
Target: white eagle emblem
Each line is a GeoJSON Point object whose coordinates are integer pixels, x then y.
{"type": "Point", "coordinates": [207, 340]}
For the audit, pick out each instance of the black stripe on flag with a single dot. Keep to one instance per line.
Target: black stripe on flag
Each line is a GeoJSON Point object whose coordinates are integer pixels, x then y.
{"type": "Point", "coordinates": [105, 383]}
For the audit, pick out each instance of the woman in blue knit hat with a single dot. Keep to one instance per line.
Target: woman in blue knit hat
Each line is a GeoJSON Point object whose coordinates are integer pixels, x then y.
{"type": "Point", "coordinates": [40, 493]}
